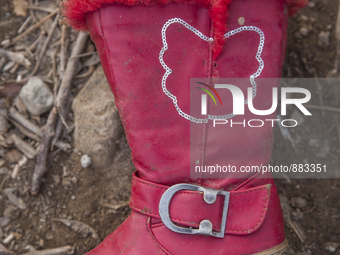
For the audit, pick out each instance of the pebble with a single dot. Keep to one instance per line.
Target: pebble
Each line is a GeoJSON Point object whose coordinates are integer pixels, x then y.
{"type": "Point", "coordinates": [331, 246]}
{"type": "Point", "coordinates": [298, 202]}
{"type": "Point", "coordinates": [3, 170]}
{"type": "Point", "coordinates": [303, 31]}
{"type": "Point", "coordinates": [297, 35]}
{"type": "Point", "coordinates": [13, 156]}
{"type": "Point", "coordinates": [85, 161]}
{"type": "Point", "coordinates": [4, 221]}
{"type": "Point", "coordinates": [311, 4]}
{"type": "Point", "coordinates": [324, 39]}
{"type": "Point", "coordinates": [56, 179]}
{"type": "Point", "coordinates": [304, 18]}
{"type": "Point", "coordinates": [36, 96]}
{"type": "Point", "coordinates": [6, 41]}
{"type": "Point", "coordinates": [314, 143]}
{"type": "Point", "coordinates": [17, 201]}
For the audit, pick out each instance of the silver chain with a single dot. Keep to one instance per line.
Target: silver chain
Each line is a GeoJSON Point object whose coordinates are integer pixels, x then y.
{"type": "Point", "coordinates": [168, 71]}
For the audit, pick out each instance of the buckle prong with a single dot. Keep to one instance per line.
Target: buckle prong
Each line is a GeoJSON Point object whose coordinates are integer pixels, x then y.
{"type": "Point", "coordinates": [205, 226]}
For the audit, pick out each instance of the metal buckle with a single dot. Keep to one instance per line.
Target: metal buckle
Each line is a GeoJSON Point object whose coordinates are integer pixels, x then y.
{"type": "Point", "coordinates": [205, 227]}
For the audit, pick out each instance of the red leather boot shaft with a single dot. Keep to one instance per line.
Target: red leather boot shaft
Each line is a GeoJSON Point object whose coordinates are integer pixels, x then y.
{"type": "Point", "coordinates": [129, 40]}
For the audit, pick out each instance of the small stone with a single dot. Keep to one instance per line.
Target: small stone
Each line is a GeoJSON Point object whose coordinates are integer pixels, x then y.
{"type": "Point", "coordinates": [331, 246]}
{"type": "Point", "coordinates": [13, 156]}
{"type": "Point", "coordinates": [304, 18]}
{"type": "Point", "coordinates": [297, 35]}
{"type": "Point", "coordinates": [85, 161]}
{"type": "Point", "coordinates": [49, 236]}
{"type": "Point", "coordinates": [241, 21]}
{"type": "Point", "coordinates": [11, 212]}
{"type": "Point", "coordinates": [74, 179]}
{"type": "Point", "coordinates": [66, 181]}
{"type": "Point", "coordinates": [314, 143]}
{"type": "Point", "coordinates": [298, 202]}
{"type": "Point", "coordinates": [3, 170]}
{"type": "Point", "coordinates": [56, 179]}
{"type": "Point", "coordinates": [5, 42]}
{"type": "Point", "coordinates": [17, 201]}
{"type": "Point", "coordinates": [36, 96]}
{"type": "Point", "coordinates": [324, 39]}
{"type": "Point", "coordinates": [311, 4]}
{"type": "Point", "coordinates": [4, 221]}
{"type": "Point", "coordinates": [304, 31]}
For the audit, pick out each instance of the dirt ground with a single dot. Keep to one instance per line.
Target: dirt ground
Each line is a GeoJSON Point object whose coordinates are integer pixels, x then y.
{"type": "Point", "coordinates": [71, 192]}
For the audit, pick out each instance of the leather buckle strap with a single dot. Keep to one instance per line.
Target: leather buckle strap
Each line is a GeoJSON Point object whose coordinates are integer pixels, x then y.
{"type": "Point", "coordinates": [205, 226]}
{"type": "Point", "coordinates": [246, 209]}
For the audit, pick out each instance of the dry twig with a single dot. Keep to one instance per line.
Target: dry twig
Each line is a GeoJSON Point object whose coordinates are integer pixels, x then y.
{"type": "Point", "coordinates": [61, 101]}
{"type": "Point", "coordinates": [19, 118]}
{"type": "Point", "coordinates": [12, 113]}
{"type": "Point", "coordinates": [23, 26]}
{"type": "Point", "coordinates": [15, 57]}
{"type": "Point", "coordinates": [40, 167]}
{"type": "Point", "coordinates": [24, 131]}
{"type": "Point", "coordinates": [35, 26]}
{"type": "Point", "coordinates": [79, 227]}
{"type": "Point", "coordinates": [88, 73]}
{"type": "Point", "coordinates": [54, 25]}
{"type": "Point", "coordinates": [24, 147]}
{"type": "Point", "coordinates": [63, 48]}
{"type": "Point", "coordinates": [84, 55]}
{"type": "Point", "coordinates": [5, 251]}
{"type": "Point", "coordinates": [37, 8]}
{"type": "Point", "coordinates": [64, 250]}
{"type": "Point", "coordinates": [35, 43]}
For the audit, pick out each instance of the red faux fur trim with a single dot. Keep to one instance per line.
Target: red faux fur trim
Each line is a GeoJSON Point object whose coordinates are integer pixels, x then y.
{"type": "Point", "coordinates": [296, 5]}
{"type": "Point", "coordinates": [75, 11]}
{"type": "Point", "coordinates": [219, 16]}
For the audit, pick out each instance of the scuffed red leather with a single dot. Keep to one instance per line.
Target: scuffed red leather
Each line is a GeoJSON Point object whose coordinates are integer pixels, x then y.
{"type": "Point", "coordinates": [128, 41]}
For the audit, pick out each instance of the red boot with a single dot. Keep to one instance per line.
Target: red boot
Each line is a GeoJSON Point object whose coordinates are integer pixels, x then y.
{"type": "Point", "coordinates": [149, 52]}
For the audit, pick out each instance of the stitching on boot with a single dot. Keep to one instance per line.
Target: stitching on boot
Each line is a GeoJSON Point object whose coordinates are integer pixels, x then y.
{"type": "Point", "coordinates": [261, 220]}
{"type": "Point", "coordinates": [159, 246]}
{"type": "Point", "coordinates": [118, 99]}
